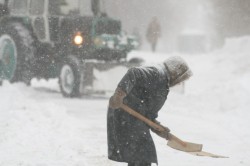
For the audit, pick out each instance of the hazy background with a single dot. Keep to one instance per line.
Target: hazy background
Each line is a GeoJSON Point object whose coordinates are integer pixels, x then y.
{"type": "Point", "coordinates": [216, 19]}
{"type": "Point", "coordinates": [206, 22]}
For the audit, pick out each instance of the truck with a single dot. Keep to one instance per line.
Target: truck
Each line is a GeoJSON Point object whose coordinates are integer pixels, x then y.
{"type": "Point", "coordinates": [57, 39]}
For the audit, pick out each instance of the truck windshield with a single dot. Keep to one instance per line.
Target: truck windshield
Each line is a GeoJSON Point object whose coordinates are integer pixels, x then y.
{"type": "Point", "coordinates": [63, 7]}
{"type": "Point", "coordinates": [106, 26]}
{"type": "Point", "coordinates": [69, 7]}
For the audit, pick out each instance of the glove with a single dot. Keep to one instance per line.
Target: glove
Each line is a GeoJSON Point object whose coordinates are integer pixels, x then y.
{"type": "Point", "coordinates": [164, 134]}
{"type": "Point", "coordinates": [117, 99]}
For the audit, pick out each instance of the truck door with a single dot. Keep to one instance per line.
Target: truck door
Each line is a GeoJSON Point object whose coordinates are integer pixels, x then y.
{"type": "Point", "coordinates": [39, 19]}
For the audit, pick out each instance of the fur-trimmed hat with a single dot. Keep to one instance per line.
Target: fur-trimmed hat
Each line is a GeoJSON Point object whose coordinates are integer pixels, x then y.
{"type": "Point", "coordinates": [177, 69]}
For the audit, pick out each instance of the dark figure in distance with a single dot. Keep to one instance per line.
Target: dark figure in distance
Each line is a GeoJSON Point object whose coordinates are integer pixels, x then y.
{"type": "Point", "coordinates": [153, 33]}
{"type": "Point", "coordinates": [145, 90]}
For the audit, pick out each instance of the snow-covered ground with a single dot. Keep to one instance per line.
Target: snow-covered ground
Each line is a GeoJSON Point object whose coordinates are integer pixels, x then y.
{"type": "Point", "coordinates": [38, 127]}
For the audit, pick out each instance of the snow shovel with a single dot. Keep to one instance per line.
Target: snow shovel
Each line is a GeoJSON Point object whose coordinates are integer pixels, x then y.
{"type": "Point", "coordinates": [173, 142]}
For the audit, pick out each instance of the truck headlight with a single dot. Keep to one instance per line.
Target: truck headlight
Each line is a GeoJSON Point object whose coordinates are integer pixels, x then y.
{"type": "Point", "coordinates": [78, 38]}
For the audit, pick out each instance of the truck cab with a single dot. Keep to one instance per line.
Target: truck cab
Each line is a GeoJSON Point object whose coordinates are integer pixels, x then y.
{"type": "Point", "coordinates": [48, 34]}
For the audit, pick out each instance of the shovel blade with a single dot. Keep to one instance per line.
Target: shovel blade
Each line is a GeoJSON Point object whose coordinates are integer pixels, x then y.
{"type": "Point", "coordinates": [202, 153]}
{"type": "Point", "coordinates": [187, 147]}
{"type": "Point", "coordinates": [191, 148]}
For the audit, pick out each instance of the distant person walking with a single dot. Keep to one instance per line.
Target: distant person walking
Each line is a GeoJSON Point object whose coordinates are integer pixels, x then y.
{"type": "Point", "coordinates": [153, 33]}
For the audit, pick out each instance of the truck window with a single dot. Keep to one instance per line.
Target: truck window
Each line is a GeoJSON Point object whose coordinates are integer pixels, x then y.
{"type": "Point", "coordinates": [64, 7]}
{"type": "Point", "coordinates": [70, 7]}
{"type": "Point", "coordinates": [39, 26]}
{"type": "Point", "coordinates": [19, 6]}
{"type": "Point", "coordinates": [108, 27]}
{"type": "Point", "coordinates": [36, 7]}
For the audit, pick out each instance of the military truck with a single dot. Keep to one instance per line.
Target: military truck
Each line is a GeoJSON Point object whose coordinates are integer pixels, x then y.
{"type": "Point", "coordinates": [56, 38]}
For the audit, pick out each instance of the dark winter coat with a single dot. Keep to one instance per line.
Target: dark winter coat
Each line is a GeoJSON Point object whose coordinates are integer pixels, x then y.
{"type": "Point", "coordinates": [129, 139]}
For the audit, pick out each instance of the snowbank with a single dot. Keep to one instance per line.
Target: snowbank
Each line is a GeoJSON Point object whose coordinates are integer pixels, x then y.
{"type": "Point", "coordinates": [33, 131]}
{"type": "Point", "coordinates": [40, 127]}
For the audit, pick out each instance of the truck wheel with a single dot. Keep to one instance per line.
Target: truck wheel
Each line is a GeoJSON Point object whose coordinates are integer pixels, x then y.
{"type": "Point", "coordinates": [16, 53]}
{"type": "Point", "coordinates": [70, 77]}
{"type": "Point", "coordinates": [8, 57]}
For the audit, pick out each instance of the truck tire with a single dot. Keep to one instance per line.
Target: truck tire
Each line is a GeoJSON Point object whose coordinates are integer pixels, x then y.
{"type": "Point", "coordinates": [70, 77]}
{"type": "Point", "coordinates": [17, 52]}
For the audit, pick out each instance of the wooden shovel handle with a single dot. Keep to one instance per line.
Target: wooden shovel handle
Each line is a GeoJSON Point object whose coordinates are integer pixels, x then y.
{"type": "Point", "coordinates": [142, 118]}
{"type": "Point", "coordinates": [150, 123]}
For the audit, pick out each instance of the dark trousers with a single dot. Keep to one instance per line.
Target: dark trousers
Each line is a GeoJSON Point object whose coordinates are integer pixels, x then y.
{"type": "Point", "coordinates": [139, 164]}
{"type": "Point", "coordinates": [153, 46]}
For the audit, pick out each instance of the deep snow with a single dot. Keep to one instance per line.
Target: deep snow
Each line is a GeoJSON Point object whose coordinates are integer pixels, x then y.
{"type": "Point", "coordinates": [38, 127]}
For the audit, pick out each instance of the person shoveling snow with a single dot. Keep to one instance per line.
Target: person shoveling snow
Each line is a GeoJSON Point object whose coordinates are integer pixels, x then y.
{"type": "Point", "coordinates": [133, 110]}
